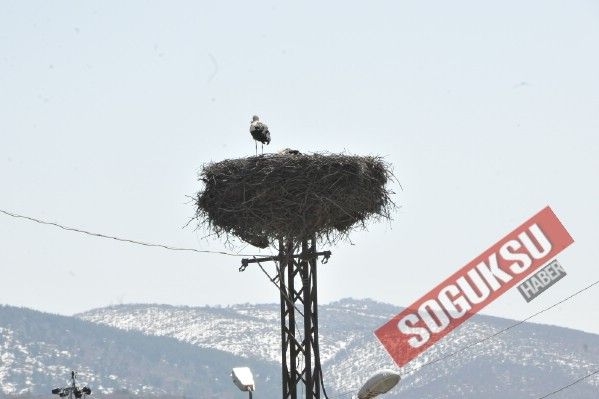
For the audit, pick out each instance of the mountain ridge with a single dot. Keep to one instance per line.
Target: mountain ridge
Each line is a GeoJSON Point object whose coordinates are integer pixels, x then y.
{"type": "Point", "coordinates": [530, 359]}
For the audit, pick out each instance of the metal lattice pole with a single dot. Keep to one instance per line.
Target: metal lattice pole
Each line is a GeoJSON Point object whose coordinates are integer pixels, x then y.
{"type": "Point", "coordinates": [293, 298]}
{"type": "Point", "coordinates": [317, 374]}
{"type": "Point", "coordinates": [297, 283]}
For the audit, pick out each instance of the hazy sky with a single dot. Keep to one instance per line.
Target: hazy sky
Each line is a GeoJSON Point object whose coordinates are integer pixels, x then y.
{"type": "Point", "coordinates": [488, 111]}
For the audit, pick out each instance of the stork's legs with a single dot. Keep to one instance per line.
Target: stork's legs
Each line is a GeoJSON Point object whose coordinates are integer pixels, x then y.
{"type": "Point", "coordinates": [262, 148]}
{"type": "Point", "coordinates": [256, 143]}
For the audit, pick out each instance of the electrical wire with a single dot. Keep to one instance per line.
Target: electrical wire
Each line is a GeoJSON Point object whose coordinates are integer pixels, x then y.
{"type": "Point", "coordinates": [491, 336]}
{"type": "Point", "coordinates": [172, 248]}
{"type": "Point", "coordinates": [127, 240]}
{"type": "Point", "coordinates": [273, 280]}
{"type": "Point", "coordinates": [569, 385]}
{"type": "Point", "coordinates": [466, 347]}
{"type": "Point", "coordinates": [560, 389]}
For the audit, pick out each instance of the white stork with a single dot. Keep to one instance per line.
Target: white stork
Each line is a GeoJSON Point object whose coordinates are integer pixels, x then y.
{"type": "Point", "coordinates": [259, 132]}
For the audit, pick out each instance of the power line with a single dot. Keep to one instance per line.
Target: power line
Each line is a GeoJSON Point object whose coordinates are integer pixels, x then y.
{"type": "Point", "coordinates": [127, 240]}
{"type": "Point", "coordinates": [345, 393]}
{"type": "Point", "coordinates": [451, 354]}
{"type": "Point", "coordinates": [273, 280]}
{"type": "Point", "coordinates": [466, 347]}
{"type": "Point", "coordinates": [563, 388]}
{"type": "Point", "coordinates": [136, 242]}
{"type": "Point", "coordinates": [569, 385]}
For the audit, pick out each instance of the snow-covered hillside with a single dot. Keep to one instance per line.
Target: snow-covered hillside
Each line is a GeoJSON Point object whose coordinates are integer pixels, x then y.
{"type": "Point", "coordinates": [38, 350]}
{"type": "Point", "coordinates": [181, 350]}
{"type": "Point", "coordinates": [525, 361]}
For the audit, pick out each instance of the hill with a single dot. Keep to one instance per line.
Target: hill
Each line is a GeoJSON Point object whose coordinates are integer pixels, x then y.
{"type": "Point", "coordinates": [153, 350]}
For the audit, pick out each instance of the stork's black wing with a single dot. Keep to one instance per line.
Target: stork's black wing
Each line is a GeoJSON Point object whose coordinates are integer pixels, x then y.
{"type": "Point", "coordinates": [259, 132]}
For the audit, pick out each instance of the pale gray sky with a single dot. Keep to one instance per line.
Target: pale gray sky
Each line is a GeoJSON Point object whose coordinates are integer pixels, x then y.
{"type": "Point", "coordinates": [488, 111]}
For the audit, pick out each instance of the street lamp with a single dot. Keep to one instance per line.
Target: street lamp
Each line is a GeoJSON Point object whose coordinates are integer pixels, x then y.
{"type": "Point", "coordinates": [381, 382]}
{"type": "Point", "coordinates": [243, 378]}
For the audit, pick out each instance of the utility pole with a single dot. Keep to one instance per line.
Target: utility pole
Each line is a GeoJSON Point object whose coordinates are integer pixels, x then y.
{"type": "Point", "coordinates": [297, 281]}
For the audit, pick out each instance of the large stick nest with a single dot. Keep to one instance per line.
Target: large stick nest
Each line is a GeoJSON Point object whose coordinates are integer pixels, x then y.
{"type": "Point", "coordinates": [293, 196]}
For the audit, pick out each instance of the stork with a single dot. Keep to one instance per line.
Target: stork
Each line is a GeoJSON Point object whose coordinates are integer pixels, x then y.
{"type": "Point", "coordinates": [259, 132]}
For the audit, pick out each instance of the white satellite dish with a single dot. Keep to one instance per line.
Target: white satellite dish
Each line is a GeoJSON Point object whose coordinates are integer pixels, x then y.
{"type": "Point", "coordinates": [243, 378]}
{"type": "Point", "coordinates": [381, 382]}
